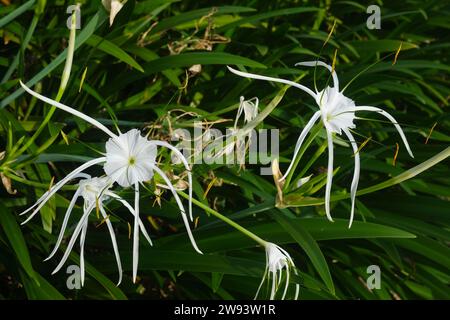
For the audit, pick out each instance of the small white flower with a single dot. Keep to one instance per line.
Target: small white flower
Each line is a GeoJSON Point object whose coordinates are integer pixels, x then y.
{"type": "Point", "coordinates": [240, 140]}
{"type": "Point", "coordinates": [337, 113]}
{"type": "Point", "coordinates": [278, 261]}
{"type": "Point", "coordinates": [249, 108]}
{"type": "Point", "coordinates": [94, 192]}
{"type": "Point", "coordinates": [130, 160]}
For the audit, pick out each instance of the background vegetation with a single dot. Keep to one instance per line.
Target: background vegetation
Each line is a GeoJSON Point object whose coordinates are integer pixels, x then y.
{"type": "Point", "coordinates": [139, 72]}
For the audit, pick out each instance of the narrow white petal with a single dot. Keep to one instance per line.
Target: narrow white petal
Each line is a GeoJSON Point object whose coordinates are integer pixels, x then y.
{"type": "Point", "coordinates": [136, 232]}
{"type": "Point", "coordinates": [180, 206]}
{"type": "Point", "coordinates": [322, 64]}
{"type": "Point", "coordinates": [259, 77]}
{"type": "Point", "coordinates": [289, 259]}
{"type": "Point", "coordinates": [287, 283]}
{"type": "Point", "coordinates": [290, 264]}
{"type": "Point", "coordinates": [58, 186]}
{"type": "Point", "coordinates": [45, 195]}
{"type": "Point", "coordinates": [82, 241]}
{"type": "Point", "coordinates": [141, 224]}
{"type": "Point", "coordinates": [239, 112]}
{"type": "Point", "coordinates": [69, 110]}
{"type": "Point", "coordinates": [144, 232]}
{"type": "Point", "coordinates": [266, 273]}
{"type": "Point", "coordinates": [74, 237]}
{"type": "Point", "coordinates": [280, 274]}
{"type": "Point", "coordinates": [42, 198]}
{"type": "Point", "coordinates": [262, 281]}
{"type": "Point", "coordinates": [130, 208]}
{"type": "Point", "coordinates": [114, 243]}
{"type": "Point", "coordinates": [329, 173]}
{"type": "Point", "coordinates": [300, 140]}
{"type": "Point", "coordinates": [274, 286]}
{"type": "Point", "coordinates": [297, 286]}
{"type": "Point", "coordinates": [392, 119]}
{"type": "Point", "coordinates": [186, 165]}
{"type": "Point", "coordinates": [355, 180]}
{"type": "Point", "coordinates": [64, 224]}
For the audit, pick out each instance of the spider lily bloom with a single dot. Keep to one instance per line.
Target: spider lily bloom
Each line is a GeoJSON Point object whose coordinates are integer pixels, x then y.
{"type": "Point", "coordinates": [130, 160]}
{"type": "Point", "coordinates": [240, 140]}
{"type": "Point", "coordinates": [249, 108]}
{"type": "Point", "coordinates": [94, 191]}
{"type": "Point", "coordinates": [337, 113]}
{"type": "Point", "coordinates": [277, 262]}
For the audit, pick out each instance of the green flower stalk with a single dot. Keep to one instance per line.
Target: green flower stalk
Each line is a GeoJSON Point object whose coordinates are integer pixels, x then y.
{"type": "Point", "coordinates": [63, 84]}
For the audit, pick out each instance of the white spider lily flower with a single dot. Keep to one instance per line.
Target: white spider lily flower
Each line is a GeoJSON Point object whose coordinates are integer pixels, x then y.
{"type": "Point", "coordinates": [94, 192]}
{"type": "Point", "coordinates": [130, 160]}
{"type": "Point", "coordinates": [337, 113]}
{"type": "Point", "coordinates": [277, 262]}
{"type": "Point", "coordinates": [248, 109]}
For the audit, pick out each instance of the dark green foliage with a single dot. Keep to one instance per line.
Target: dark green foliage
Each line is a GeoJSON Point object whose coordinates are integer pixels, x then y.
{"type": "Point", "coordinates": [137, 72]}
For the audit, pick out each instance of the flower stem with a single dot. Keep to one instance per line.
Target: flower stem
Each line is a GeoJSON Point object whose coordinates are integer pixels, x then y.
{"type": "Point", "coordinates": [226, 220]}
{"type": "Point", "coordinates": [62, 87]}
